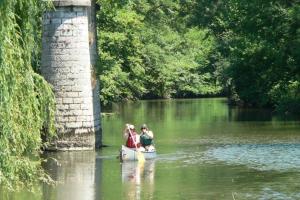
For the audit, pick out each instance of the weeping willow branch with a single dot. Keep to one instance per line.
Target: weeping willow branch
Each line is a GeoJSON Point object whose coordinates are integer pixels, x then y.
{"type": "Point", "coordinates": [26, 100]}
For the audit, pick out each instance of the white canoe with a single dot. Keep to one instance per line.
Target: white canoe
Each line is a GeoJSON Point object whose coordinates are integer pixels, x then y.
{"type": "Point", "coordinates": [131, 154]}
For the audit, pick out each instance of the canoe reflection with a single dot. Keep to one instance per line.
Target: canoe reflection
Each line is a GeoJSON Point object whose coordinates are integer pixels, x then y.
{"type": "Point", "coordinates": [138, 179]}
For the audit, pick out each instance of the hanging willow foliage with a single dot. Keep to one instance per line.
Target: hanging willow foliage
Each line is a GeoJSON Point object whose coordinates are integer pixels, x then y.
{"type": "Point", "coordinates": [26, 100]}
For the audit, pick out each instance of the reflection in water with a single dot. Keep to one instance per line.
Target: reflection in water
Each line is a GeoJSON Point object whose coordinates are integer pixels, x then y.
{"type": "Point", "coordinates": [249, 114]}
{"type": "Point", "coordinates": [137, 175]}
{"type": "Point", "coordinates": [75, 174]}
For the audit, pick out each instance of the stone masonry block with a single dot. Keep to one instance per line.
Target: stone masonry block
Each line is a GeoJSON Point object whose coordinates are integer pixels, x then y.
{"type": "Point", "coordinates": [74, 106]}
{"type": "Point", "coordinates": [82, 45]}
{"type": "Point", "coordinates": [62, 119]}
{"type": "Point", "coordinates": [57, 45]}
{"type": "Point", "coordinates": [78, 112]}
{"type": "Point", "coordinates": [70, 26]}
{"type": "Point", "coordinates": [59, 113]}
{"type": "Point", "coordinates": [64, 83]}
{"type": "Point", "coordinates": [62, 106]}
{"type": "Point", "coordinates": [67, 100]}
{"type": "Point", "coordinates": [76, 88]}
{"type": "Point", "coordinates": [86, 112]}
{"type": "Point", "coordinates": [62, 3]}
{"type": "Point", "coordinates": [46, 21]}
{"type": "Point", "coordinates": [66, 88]}
{"type": "Point", "coordinates": [55, 21]}
{"type": "Point", "coordinates": [78, 100]}
{"type": "Point", "coordinates": [85, 93]}
{"type": "Point", "coordinates": [78, 9]}
{"type": "Point", "coordinates": [55, 33]}
{"type": "Point", "coordinates": [57, 14]}
{"type": "Point", "coordinates": [87, 124]}
{"type": "Point", "coordinates": [59, 94]}
{"type": "Point", "coordinates": [87, 100]}
{"type": "Point", "coordinates": [63, 70]}
{"type": "Point", "coordinates": [71, 94]}
{"type": "Point", "coordinates": [80, 20]}
{"type": "Point", "coordinates": [73, 124]}
{"type": "Point", "coordinates": [68, 113]}
{"type": "Point", "coordinates": [58, 100]}
{"type": "Point", "coordinates": [72, 119]}
{"type": "Point", "coordinates": [79, 14]}
{"type": "Point", "coordinates": [57, 39]}
{"type": "Point", "coordinates": [69, 14]}
{"type": "Point", "coordinates": [67, 21]}
{"type": "Point", "coordinates": [66, 32]}
{"type": "Point", "coordinates": [81, 130]}
{"type": "Point", "coordinates": [82, 118]}
{"type": "Point", "coordinates": [89, 118]}
{"type": "Point", "coordinates": [86, 107]}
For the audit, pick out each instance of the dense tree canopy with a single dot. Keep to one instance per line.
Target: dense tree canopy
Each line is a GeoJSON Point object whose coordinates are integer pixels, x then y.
{"type": "Point", "coordinates": [147, 51]}
{"type": "Point", "coordinates": [172, 48]}
{"type": "Point", "coordinates": [260, 40]}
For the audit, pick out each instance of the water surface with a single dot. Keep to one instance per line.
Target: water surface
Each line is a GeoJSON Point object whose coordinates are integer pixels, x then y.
{"type": "Point", "coordinates": [206, 150]}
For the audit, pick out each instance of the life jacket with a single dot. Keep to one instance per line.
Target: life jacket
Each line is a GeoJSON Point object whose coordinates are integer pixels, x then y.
{"type": "Point", "coordinates": [131, 141]}
{"type": "Point", "coordinates": [146, 140]}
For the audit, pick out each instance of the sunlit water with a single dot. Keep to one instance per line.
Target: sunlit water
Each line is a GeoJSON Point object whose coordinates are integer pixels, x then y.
{"type": "Point", "coordinates": [206, 150]}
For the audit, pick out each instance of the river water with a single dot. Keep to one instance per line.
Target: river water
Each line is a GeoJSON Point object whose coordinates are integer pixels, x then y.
{"type": "Point", "coordinates": [206, 150]}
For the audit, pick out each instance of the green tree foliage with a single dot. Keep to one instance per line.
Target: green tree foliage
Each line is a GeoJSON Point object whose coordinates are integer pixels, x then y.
{"type": "Point", "coordinates": [120, 52]}
{"type": "Point", "coordinates": [147, 51]}
{"type": "Point", "coordinates": [26, 100]}
{"type": "Point", "coordinates": [260, 40]}
{"type": "Point", "coordinates": [158, 49]}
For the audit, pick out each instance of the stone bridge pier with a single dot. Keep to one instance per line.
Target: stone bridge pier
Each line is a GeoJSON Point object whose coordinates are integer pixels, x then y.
{"type": "Point", "coordinates": [68, 59]}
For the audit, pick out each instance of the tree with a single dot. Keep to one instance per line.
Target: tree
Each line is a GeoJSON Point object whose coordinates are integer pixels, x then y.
{"type": "Point", "coordinates": [26, 100]}
{"type": "Point", "coordinates": [147, 51]}
{"type": "Point", "coordinates": [259, 39]}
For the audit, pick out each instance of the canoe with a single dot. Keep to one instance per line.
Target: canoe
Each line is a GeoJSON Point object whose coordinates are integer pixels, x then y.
{"type": "Point", "coordinates": [131, 154]}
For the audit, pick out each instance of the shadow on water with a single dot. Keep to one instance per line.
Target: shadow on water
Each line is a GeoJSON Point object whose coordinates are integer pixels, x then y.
{"type": "Point", "coordinates": [258, 114]}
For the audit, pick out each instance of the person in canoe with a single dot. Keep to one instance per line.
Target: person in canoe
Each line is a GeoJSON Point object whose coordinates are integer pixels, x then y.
{"type": "Point", "coordinates": [146, 138]}
{"type": "Point", "coordinates": [131, 137]}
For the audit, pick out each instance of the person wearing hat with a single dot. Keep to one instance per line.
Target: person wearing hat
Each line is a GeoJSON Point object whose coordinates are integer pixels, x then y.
{"type": "Point", "coordinates": [131, 137]}
{"type": "Point", "coordinates": [146, 138]}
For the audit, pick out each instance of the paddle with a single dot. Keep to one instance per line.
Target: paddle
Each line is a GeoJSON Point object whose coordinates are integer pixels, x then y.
{"type": "Point", "coordinates": [140, 155]}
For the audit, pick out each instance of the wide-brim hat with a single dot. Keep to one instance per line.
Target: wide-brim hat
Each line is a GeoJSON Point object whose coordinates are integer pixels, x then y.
{"type": "Point", "coordinates": [144, 126]}
{"type": "Point", "coordinates": [131, 126]}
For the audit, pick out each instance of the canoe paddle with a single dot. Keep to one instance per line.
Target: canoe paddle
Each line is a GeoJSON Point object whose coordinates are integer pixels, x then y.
{"type": "Point", "coordinates": [140, 155]}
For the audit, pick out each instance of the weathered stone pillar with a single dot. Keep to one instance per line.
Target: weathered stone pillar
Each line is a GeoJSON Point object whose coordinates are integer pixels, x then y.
{"type": "Point", "coordinates": [67, 63]}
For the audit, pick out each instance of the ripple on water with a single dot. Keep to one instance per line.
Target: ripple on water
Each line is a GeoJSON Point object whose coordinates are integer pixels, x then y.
{"type": "Point", "coordinates": [279, 157]}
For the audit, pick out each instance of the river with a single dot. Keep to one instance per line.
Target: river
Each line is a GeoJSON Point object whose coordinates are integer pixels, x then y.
{"type": "Point", "coordinates": [206, 150]}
